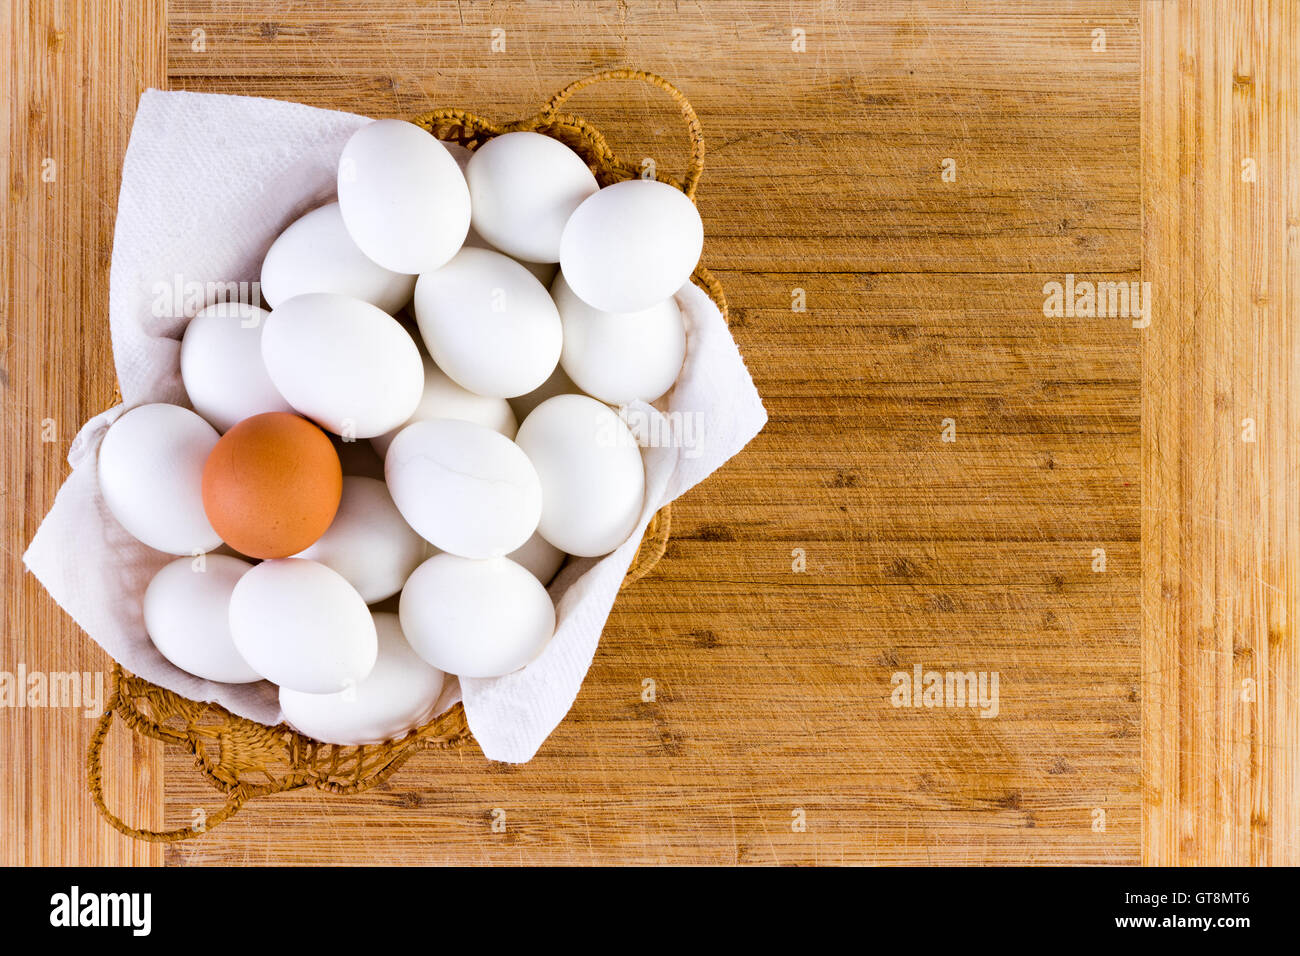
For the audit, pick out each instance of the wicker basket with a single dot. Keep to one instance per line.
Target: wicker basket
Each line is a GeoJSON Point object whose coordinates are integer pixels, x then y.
{"type": "Point", "coordinates": [243, 759]}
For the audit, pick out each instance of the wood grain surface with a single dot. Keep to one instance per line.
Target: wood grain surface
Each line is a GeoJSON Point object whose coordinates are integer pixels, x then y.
{"type": "Point", "coordinates": [1220, 455]}
{"type": "Point", "coordinates": [850, 541]}
{"type": "Point", "coordinates": [73, 77]}
{"type": "Point", "coordinates": [923, 303]}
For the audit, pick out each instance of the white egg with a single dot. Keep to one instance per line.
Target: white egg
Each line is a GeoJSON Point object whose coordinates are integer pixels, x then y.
{"type": "Point", "coordinates": [369, 542]}
{"type": "Point", "coordinates": [631, 245]}
{"type": "Point", "coordinates": [539, 556]}
{"type": "Point", "coordinates": [462, 155]}
{"type": "Point", "coordinates": [316, 254]}
{"type": "Point", "coordinates": [593, 479]}
{"type": "Point", "coordinates": [222, 368]}
{"type": "Point", "coordinates": [346, 364]}
{"type": "Point", "coordinates": [397, 696]}
{"type": "Point", "coordinates": [619, 357]}
{"type": "Point", "coordinates": [151, 474]}
{"type": "Point", "coordinates": [187, 616]}
{"type": "Point", "coordinates": [301, 625]}
{"type": "Point", "coordinates": [467, 489]}
{"type": "Point", "coordinates": [558, 384]}
{"type": "Point", "coordinates": [544, 271]}
{"type": "Point", "coordinates": [476, 618]}
{"type": "Point", "coordinates": [443, 398]}
{"type": "Point", "coordinates": [402, 196]}
{"type": "Point", "coordinates": [523, 188]}
{"type": "Point", "coordinates": [488, 323]}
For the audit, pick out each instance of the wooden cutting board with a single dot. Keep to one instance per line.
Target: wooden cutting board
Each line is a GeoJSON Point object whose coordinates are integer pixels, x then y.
{"type": "Point", "coordinates": [951, 479]}
{"type": "Point", "coordinates": [922, 303]}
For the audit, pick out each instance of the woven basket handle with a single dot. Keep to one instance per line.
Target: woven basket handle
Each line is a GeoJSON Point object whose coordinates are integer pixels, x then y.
{"type": "Point", "coordinates": [118, 706]}
{"type": "Point", "coordinates": [299, 768]}
{"type": "Point", "coordinates": [95, 769]}
{"type": "Point", "coordinates": [693, 130]}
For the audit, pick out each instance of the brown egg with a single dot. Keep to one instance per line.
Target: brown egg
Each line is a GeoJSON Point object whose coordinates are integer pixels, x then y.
{"type": "Point", "coordinates": [271, 485]}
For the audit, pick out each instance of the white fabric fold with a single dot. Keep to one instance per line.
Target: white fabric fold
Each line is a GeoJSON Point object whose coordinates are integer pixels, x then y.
{"type": "Point", "coordinates": [207, 184]}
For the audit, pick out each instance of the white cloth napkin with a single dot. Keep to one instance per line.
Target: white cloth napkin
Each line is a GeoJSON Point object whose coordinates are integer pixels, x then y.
{"type": "Point", "coordinates": [207, 184]}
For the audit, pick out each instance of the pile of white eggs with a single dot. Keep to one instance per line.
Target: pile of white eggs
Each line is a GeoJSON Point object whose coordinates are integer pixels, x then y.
{"type": "Point", "coordinates": [460, 328]}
